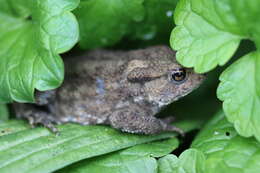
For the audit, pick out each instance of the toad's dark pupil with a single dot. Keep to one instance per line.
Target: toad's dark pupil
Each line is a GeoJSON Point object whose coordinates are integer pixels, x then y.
{"type": "Point", "coordinates": [178, 75]}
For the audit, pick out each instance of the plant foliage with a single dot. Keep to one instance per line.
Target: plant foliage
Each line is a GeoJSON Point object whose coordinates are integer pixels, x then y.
{"type": "Point", "coordinates": [33, 34]}
{"type": "Point", "coordinates": [39, 150]}
{"type": "Point", "coordinates": [208, 33]}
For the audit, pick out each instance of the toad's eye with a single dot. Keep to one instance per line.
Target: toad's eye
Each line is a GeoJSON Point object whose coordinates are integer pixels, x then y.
{"type": "Point", "coordinates": [178, 75]}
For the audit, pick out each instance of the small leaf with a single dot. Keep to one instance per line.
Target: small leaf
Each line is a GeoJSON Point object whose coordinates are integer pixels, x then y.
{"type": "Point", "coordinates": [240, 92]}
{"type": "Point", "coordinates": [190, 161]}
{"type": "Point", "coordinates": [38, 150]}
{"type": "Point", "coordinates": [168, 164]}
{"type": "Point", "coordinates": [33, 33]}
{"type": "Point", "coordinates": [225, 150]}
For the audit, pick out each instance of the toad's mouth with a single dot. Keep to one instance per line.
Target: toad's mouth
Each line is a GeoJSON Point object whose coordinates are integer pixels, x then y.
{"type": "Point", "coordinates": [167, 100]}
{"type": "Point", "coordinates": [161, 103]}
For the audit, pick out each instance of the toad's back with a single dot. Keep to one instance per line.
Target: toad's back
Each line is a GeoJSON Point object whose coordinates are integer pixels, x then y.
{"type": "Point", "coordinates": [93, 86]}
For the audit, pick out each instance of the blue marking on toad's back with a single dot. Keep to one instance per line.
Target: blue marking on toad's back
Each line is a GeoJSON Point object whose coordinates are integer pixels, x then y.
{"type": "Point", "coordinates": [100, 86]}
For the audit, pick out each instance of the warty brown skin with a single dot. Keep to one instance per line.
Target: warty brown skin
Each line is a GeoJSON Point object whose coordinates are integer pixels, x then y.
{"type": "Point", "coordinates": [121, 89]}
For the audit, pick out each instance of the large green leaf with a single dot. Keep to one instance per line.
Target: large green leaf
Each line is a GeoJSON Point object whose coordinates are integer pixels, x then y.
{"type": "Point", "coordinates": [225, 150]}
{"type": "Point", "coordinates": [38, 150]}
{"type": "Point", "coordinates": [32, 34]}
{"type": "Point", "coordinates": [240, 91]}
{"type": "Point", "coordinates": [139, 158]}
{"type": "Point", "coordinates": [200, 44]}
{"type": "Point", "coordinates": [237, 17]}
{"type": "Point", "coordinates": [208, 31]}
{"type": "Point", "coordinates": [207, 34]}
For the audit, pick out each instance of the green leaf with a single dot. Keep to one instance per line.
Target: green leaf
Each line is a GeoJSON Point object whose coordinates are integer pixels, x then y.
{"type": "Point", "coordinates": [168, 164]}
{"type": "Point", "coordinates": [225, 150]}
{"type": "Point", "coordinates": [208, 31]}
{"type": "Point", "coordinates": [190, 161]}
{"type": "Point", "coordinates": [154, 149]}
{"type": "Point", "coordinates": [103, 23]}
{"type": "Point", "coordinates": [11, 126]}
{"type": "Point", "coordinates": [132, 160]}
{"type": "Point", "coordinates": [38, 150]}
{"type": "Point", "coordinates": [33, 33]}
{"type": "Point", "coordinates": [240, 91]}
{"type": "Point", "coordinates": [207, 34]}
{"type": "Point", "coordinates": [200, 44]}
{"type": "Point", "coordinates": [237, 17]}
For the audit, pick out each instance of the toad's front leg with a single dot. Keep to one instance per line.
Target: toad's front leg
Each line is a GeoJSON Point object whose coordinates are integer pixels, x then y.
{"type": "Point", "coordinates": [133, 122]}
{"type": "Point", "coordinates": [36, 116]}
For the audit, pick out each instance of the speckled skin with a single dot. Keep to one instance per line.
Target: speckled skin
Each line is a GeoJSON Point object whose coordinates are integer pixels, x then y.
{"type": "Point", "coordinates": [121, 89]}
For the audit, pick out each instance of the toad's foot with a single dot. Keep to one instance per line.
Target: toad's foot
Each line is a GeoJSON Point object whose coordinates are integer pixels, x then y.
{"type": "Point", "coordinates": [130, 121]}
{"type": "Point", "coordinates": [37, 117]}
{"type": "Point", "coordinates": [172, 128]}
{"type": "Point", "coordinates": [42, 118]}
{"type": "Point", "coordinates": [170, 119]}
